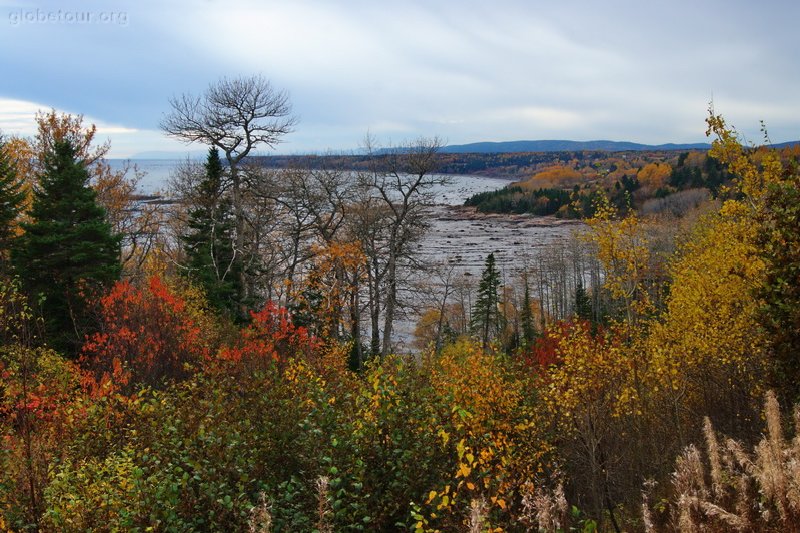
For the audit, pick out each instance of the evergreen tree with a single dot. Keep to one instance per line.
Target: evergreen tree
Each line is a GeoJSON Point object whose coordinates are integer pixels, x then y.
{"type": "Point", "coordinates": [68, 252]}
{"type": "Point", "coordinates": [526, 317]}
{"type": "Point", "coordinates": [486, 317]}
{"type": "Point", "coordinates": [209, 244]}
{"type": "Point", "coordinates": [583, 304]}
{"type": "Point", "coordinates": [12, 196]}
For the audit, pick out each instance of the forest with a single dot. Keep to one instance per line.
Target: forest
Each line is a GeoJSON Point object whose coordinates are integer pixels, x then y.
{"type": "Point", "coordinates": [651, 182]}
{"type": "Point", "coordinates": [227, 361]}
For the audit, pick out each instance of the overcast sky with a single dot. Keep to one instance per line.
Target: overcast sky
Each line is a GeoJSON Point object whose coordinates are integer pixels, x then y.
{"type": "Point", "coordinates": [466, 71]}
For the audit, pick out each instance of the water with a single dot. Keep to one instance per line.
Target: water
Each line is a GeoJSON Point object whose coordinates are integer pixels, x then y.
{"type": "Point", "coordinates": [156, 171]}
{"type": "Point", "coordinates": [458, 236]}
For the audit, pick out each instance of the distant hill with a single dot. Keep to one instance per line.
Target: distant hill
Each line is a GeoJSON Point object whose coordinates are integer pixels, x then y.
{"type": "Point", "coordinates": [564, 146]}
{"type": "Point", "coordinates": [787, 144]}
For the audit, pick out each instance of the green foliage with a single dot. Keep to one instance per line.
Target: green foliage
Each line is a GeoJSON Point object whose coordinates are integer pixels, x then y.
{"type": "Point", "coordinates": [779, 241]}
{"type": "Point", "coordinates": [209, 244]}
{"type": "Point", "coordinates": [711, 174]}
{"type": "Point", "coordinates": [68, 252]}
{"type": "Point", "coordinates": [583, 303]}
{"type": "Point", "coordinates": [12, 198]}
{"type": "Point", "coordinates": [486, 314]}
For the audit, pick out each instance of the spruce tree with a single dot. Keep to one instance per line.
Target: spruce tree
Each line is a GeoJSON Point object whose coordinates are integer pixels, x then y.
{"type": "Point", "coordinates": [583, 304]}
{"type": "Point", "coordinates": [486, 317]}
{"type": "Point", "coordinates": [209, 243]}
{"type": "Point", "coordinates": [12, 197]}
{"type": "Point", "coordinates": [68, 253]}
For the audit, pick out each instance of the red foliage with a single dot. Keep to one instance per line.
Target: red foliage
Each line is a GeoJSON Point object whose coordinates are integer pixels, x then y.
{"type": "Point", "coordinates": [271, 338]}
{"type": "Point", "coordinates": [545, 351]}
{"type": "Point", "coordinates": [147, 337]}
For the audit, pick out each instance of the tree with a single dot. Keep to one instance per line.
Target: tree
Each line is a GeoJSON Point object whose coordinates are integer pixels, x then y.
{"type": "Point", "coordinates": [397, 190]}
{"type": "Point", "coordinates": [12, 198]}
{"type": "Point", "coordinates": [139, 223]}
{"type": "Point", "coordinates": [583, 304]}
{"type": "Point", "coordinates": [209, 245]}
{"type": "Point", "coordinates": [68, 250]}
{"type": "Point", "coordinates": [235, 115]}
{"type": "Point", "coordinates": [486, 318]}
{"type": "Point", "coordinates": [527, 325]}
{"type": "Point", "coordinates": [779, 239]}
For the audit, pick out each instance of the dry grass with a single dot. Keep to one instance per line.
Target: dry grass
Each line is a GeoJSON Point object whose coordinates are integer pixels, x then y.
{"type": "Point", "coordinates": [544, 509]}
{"type": "Point", "coordinates": [260, 516]}
{"type": "Point", "coordinates": [478, 510]}
{"type": "Point", "coordinates": [740, 491]}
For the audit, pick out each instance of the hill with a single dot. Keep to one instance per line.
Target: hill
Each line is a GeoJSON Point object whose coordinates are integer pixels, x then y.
{"type": "Point", "coordinates": [565, 146]}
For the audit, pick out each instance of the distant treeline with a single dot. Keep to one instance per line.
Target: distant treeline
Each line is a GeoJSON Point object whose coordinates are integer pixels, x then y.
{"type": "Point", "coordinates": [500, 165]}
{"type": "Point", "coordinates": [624, 189]}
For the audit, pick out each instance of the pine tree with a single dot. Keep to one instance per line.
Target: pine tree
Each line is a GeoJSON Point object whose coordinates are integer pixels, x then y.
{"type": "Point", "coordinates": [68, 252]}
{"type": "Point", "coordinates": [486, 317]}
{"type": "Point", "coordinates": [583, 304]}
{"type": "Point", "coordinates": [12, 197]}
{"type": "Point", "coordinates": [209, 244]}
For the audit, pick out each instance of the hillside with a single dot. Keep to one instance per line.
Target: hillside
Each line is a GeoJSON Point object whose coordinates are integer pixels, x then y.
{"type": "Point", "coordinates": [564, 146]}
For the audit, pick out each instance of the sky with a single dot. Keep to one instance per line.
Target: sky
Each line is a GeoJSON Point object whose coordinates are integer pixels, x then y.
{"type": "Point", "coordinates": [641, 71]}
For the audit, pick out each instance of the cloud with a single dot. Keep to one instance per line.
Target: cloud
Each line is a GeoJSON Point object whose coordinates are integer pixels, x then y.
{"type": "Point", "coordinates": [18, 117]}
{"type": "Point", "coordinates": [464, 70]}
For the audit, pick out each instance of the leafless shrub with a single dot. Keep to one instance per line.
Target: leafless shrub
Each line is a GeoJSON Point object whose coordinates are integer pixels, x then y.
{"type": "Point", "coordinates": [676, 204]}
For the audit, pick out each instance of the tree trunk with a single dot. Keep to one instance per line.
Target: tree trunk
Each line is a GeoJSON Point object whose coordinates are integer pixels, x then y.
{"type": "Point", "coordinates": [236, 190]}
{"type": "Point", "coordinates": [391, 302]}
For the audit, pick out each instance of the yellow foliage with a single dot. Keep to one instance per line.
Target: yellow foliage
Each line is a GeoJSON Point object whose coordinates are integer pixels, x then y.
{"type": "Point", "coordinates": [754, 170]}
{"type": "Point", "coordinates": [337, 273]}
{"type": "Point", "coordinates": [622, 247]}
{"type": "Point", "coordinates": [595, 376]}
{"type": "Point", "coordinates": [653, 176]}
{"type": "Point", "coordinates": [708, 336]}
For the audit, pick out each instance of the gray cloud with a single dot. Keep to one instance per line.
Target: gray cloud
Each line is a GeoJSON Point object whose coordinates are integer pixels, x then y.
{"type": "Point", "coordinates": [466, 71]}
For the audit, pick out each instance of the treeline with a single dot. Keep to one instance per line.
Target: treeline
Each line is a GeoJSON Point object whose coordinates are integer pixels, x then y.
{"type": "Point", "coordinates": [570, 190]}
{"type": "Point", "coordinates": [500, 165]}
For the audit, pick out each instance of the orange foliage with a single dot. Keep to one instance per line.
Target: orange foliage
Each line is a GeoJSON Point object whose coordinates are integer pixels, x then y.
{"type": "Point", "coordinates": [270, 339]}
{"type": "Point", "coordinates": [147, 336]}
{"type": "Point", "coordinates": [53, 127]}
{"type": "Point", "coordinates": [331, 286]}
{"type": "Point", "coordinates": [654, 176]}
{"type": "Point", "coordinates": [557, 177]}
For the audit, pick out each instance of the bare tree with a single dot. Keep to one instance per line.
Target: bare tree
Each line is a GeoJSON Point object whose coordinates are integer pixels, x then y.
{"type": "Point", "coordinates": [402, 184]}
{"type": "Point", "coordinates": [235, 115]}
